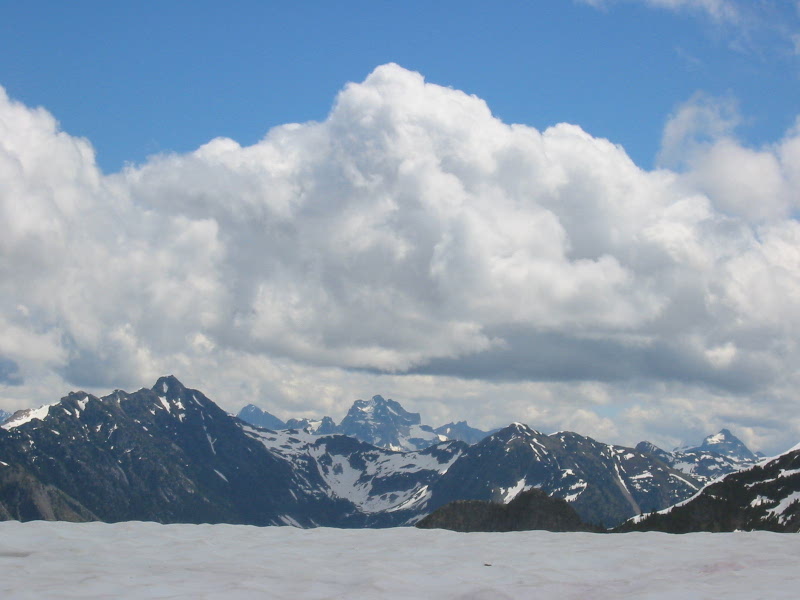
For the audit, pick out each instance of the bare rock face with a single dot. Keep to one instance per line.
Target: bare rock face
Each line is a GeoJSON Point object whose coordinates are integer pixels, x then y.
{"type": "Point", "coordinates": [532, 509]}
{"type": "Point", "coordinates": [23, 498]}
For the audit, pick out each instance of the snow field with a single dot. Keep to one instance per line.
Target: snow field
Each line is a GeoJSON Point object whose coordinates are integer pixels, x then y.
{"type": "Point", "coordinates": [147, 560]}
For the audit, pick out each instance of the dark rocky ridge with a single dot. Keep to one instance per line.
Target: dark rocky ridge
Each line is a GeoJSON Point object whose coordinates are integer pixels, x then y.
{"type": "Point", "coordinates": [167, 454]}
{"type": "Point", "coordinates": [531, 509]}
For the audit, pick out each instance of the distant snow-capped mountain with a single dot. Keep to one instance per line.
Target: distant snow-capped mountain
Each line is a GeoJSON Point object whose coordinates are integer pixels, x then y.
{"type": "Point", "coordinates": [764, 496]}
{"type": "Point", "coordinates": [718, 455]}
{"type": "Point", "coordinates": [724, 443]}
{"type": "Point", "coordinates": [378, 421]}
{"type": "Point", "coordinates": [386, 424]}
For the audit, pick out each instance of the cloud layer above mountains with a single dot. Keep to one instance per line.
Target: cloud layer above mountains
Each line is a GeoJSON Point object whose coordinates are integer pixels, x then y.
{"type": "Point", "coordinates": [413, 240]}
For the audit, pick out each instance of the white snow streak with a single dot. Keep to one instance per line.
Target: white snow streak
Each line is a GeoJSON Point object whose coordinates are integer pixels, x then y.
{"type": "Point", "coordinates": [512, 492]}
{"type": "Point", "coordinates": [778, 511]}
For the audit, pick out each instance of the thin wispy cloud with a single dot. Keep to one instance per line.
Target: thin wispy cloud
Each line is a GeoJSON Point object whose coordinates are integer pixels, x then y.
{"type": "Point", "coordinates": [767, 29]}
{"type": "Point", "coordinates": [721, 11]}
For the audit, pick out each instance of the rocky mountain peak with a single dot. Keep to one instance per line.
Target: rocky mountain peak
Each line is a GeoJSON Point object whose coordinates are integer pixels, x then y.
{"type": "Point", "coordinates": [380, 409]}
{"type": "Point", "coordinates": [169, 386]}
{"type": "Point", "coordinates": [385, 423]}
{"type": "Point", "coordinates": [515, 431]}
{"type": "Point", "coordinates": [726, 444]}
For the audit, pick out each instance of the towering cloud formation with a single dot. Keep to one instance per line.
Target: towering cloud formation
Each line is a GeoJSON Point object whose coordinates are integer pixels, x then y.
{"type": "Point", "coordinates": [411, 231]}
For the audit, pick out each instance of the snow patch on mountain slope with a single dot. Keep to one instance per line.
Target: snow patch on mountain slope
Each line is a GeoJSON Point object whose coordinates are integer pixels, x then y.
{"type": "Point", "coordinates": [26, 416]}
{"type": "Point", "coordinates": [357, 484]}
{"type": "Point", "coordinates": [509, 493]}
{"type": "Point", "coordinates": [286, 443]}
{"type": "Point", "coordinates": [354, 480]}
{"type": "Point", "coordinates": [783, 505]}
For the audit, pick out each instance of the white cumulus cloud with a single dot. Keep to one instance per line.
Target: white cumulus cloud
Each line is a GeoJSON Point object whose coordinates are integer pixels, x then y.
{"type": "Point", "coordinates": [410, 239]}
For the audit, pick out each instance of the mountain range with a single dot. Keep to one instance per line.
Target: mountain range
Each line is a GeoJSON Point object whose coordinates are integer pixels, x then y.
{"type": "Point", "coordinates": [718, 455]}
{"type": "Point", "coordinates": [765, 496]}
{"type": "Point", "coordinates": [378, 421]}
{"type": "Point", "coordinates": [170, 454]}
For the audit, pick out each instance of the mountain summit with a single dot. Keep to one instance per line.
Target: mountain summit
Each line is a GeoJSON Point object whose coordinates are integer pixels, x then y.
{"type": "Point", "coordinates": [378, 421]}
{"type": "Point", "coordinates": [386, 424]}
{"type": "Point", "coordinates": [718, 455]}
{"type": "Point", "coordinates": [726, 444]}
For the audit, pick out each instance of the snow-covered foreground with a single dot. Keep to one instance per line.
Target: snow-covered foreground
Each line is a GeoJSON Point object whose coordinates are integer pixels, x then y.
{"type": "Point", "coordinates": [147, 560]}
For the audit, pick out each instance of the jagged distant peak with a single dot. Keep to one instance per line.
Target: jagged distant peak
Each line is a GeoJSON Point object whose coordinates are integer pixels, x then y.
{"type": "Point", "coordinates": [378, 404]}
{"type": "Point", "coordinates": [385, 423]}
{"type": "Point", "coordinates": [724, 436]}
{"type": "Point", "coordinates": [724, 443]}
{"type": "Point", "coordinates": [650, 447]}
{"type": "Point", "coordinates": [522, 428]}
{"type": "Point", "coordinates": [167, 384]}
{"type": "Point", "coordinates": [382, 409]}
{"type": "Point", "coordinates": [513, 431]}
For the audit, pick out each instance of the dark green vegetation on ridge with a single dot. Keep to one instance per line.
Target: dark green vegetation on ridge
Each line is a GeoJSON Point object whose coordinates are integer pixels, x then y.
{"type": "Point", "coordinates": [531, 509]}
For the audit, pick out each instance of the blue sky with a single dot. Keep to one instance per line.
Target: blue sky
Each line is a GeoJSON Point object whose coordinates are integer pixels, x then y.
{"type": "Point", "coordinates": [577, 214]}
{"type": "Point", "coordinates": [143, 78]}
